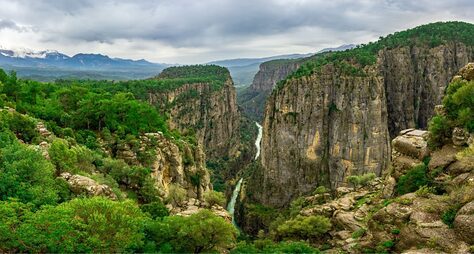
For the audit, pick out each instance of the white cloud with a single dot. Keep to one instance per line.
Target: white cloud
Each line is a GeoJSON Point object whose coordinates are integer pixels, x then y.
{"type": "Point", "coordinates": [198, 31]}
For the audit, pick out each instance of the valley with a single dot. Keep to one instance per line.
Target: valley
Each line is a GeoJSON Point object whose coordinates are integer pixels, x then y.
{"type": "Point", "coordinates": [356, 149]}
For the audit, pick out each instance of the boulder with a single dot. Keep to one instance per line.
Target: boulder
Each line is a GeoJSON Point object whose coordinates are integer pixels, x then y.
{"type": "Point", "coordinates": [460, 136]}
{"type": "Point", "coordinates": [464, 223]}
{"type": "Point", "coordinates": [389, 187]}
{"type": "Point", "coordinates": [412, 143]}
{"type": "Point", "coordinates": [444, 157]}
{"type": "Point", "coordinates": [346, 220]}
{"type": "Point", "coordinates": [82, 184]}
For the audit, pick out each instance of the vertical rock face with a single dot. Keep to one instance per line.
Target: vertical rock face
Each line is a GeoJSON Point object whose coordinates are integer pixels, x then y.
{"type": "Point", "coordinates": [254, 97]}
{"type": "Point", "coordinates": [213, 114]}
{"type": "Point", "coordinates": [415, 79]}
{"type": "Point", "coordinates": [318, 130]}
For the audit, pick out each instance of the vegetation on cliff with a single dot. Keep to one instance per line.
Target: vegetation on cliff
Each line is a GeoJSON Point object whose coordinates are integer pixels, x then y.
{"type": "Point", "coordinates": [352, 61]}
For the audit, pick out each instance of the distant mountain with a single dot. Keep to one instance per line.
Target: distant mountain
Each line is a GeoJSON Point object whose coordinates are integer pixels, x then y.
{"type": "Point", "coordinates": [243, 70]}
{"type": "Point", "coordinates": [239, 62]}
{"type": "Point", "coordinates": [50, 65]}
{"type": "Point", "coordinates": [340, 48]}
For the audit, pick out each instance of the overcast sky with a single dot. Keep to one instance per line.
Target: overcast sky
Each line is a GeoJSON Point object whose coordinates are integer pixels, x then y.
{"type": "Point", "coordinates": [197, 31]}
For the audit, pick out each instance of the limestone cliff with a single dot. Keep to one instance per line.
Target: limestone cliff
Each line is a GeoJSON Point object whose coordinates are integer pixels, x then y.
{"type": "Point", "coordinates": [320, 129]}
{"type": "Point", "coordinates": [173, 162]}
{"type": "Point", "coordinates": [415, 79]}
{"type": "Point", "coordinates": [212, 114]}
{"type": "Point", "coordinates": [328, 122]}
{"type": "Point", "coordinates": [252, 99]}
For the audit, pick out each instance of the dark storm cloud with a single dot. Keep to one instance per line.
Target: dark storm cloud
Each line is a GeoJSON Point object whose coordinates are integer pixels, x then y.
{"type": "Point", "coordinates": [224, 25]}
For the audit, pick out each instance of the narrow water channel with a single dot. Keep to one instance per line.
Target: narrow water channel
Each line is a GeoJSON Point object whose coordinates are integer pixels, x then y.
{"type": "Point", "coordinates": [235, 193]}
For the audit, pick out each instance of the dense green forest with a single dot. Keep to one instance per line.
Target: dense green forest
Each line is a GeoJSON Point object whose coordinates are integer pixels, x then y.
{"type": "Point", "coordinates": [38, 210]}
{"type": "Point", "coordinates": [352, 61]}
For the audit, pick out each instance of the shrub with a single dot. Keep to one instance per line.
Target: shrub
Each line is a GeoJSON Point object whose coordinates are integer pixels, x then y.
{"type": "Point", "coordinates": [62, 156]}
{"type": "Point", "coordinates": [440, 129]}
{"type": "Point", "coordinates": [413, 180]}
{"type": "Point", "coordinates": [84, 225]}
{"type": "Point", "coordinates": [358, 233]}
{"type": "Point", "coordinates": [267, 246]}
{"type": "Point", "coordinates": [304, 227]}
{"type": "Point", "coordinates": [200, 232]}
{"type": "Point", "coordinates": [214, 198]}
{"type": "Point", "coordinates": [155, 209]}
{"type": "Point", "coordinates": [320, 190]}
{"type": "Point", "coordinates": [448, 216]}
{"type": "Point", "coordinates": [176, 195]}
{"type": "Point", "coordinates": [361, 180]}
{"type": "Point", "coordinates": [424, 191]}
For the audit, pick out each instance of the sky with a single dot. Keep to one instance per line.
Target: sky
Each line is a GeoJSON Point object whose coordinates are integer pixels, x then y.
{"type": "Point", "coordinates": [199, 31]}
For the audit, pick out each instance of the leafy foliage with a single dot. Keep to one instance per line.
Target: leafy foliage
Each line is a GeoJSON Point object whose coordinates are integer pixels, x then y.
{"type": "Point", "coordinates": [304, 227]}
{"type": "Point", "coordinates": [200, 232]}
{"type": "Point", "coordinates": [214, 198]}
{"type": "Point", "coordinates": [80, 225]}
{"type": "Point", "coordinates": [413, 180]}
{"type": "Point", "coordinates": [267, 246]}
{"type": "Point", "coordinates": [25, 174]}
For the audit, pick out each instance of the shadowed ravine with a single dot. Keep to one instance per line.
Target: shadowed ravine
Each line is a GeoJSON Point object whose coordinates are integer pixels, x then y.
{"type": "Point", "coordinates": [235, 193]}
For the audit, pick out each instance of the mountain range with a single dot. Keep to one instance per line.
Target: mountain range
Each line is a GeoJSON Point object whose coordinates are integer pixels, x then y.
{"type": "Point", "coordinates": [48, 65]}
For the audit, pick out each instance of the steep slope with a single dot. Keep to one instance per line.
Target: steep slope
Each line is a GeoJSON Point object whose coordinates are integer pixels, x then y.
{"type": "Point", "coordinates": [332, 117]}
{"type": "Point", "coordinates": [319, 130]}
{"type": "Point", "coordinates": [252, 99]}
{"type": "Point", "coordinates": [204, 102]}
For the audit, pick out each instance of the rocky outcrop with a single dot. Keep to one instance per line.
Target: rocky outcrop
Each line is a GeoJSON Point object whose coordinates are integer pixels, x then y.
{"type": "Point", "coordinates": [193, 206]}
{"type": "Point", "coordinates": [252, 99]}
{"type": "Point", "coordinates": [408, 150]}
{"type": "Point", "coordinates": [320, 129]}
{"type": "Point", "coordinates": [85, 185]}
{"type": "Point", "coordinates": [173, 162]}
{"type": "Point", "coordinates": [212, 114]}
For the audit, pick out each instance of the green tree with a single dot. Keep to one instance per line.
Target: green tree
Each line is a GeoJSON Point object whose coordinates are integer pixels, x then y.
{"type": "Point", "coordinates": [214, 198]}
{"type": "Point", "coordinates": [200, 232]}
{"type": "Point", "coordinates": [25, 174]}
{"type": "Point", "coordinates": [63, 157]}
{"type": "Point", "coordinates": [84, 225]}
{"type": "Point", "coordinates": [304, 227]}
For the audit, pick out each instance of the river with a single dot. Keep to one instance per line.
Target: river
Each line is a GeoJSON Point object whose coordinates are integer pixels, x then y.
{"type": "Point", "coordinates": [235, 193]}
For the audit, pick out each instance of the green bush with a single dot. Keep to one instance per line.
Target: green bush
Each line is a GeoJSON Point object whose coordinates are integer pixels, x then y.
{"type": "Point", "coordinates": [361, 180]}
{"type": "Point", "coordinates": [214, 198]}
{"type": "Point", "coordinates": [200, 232]}
{"type": "Point", "coordinates": [83, 225]}
{"type": "Point", "coordinates": [155, 209]}
{"type": "Point", "coordinates": [176, 195]}
{"type": "Point", "coordinates": [304, 227]}
{"type": "Point", "coordinates": [320, 190]}
{"type": "Point", "coordinates": [449, 215]}
{"type": "Point", "coordinates": [425, 191]}
{"type": "Point", "coordinates": [63, 157]}
{"type": "Point", "coordinates": [358, 233]}
{"type": "Point", "coordinates": [440, 129]}
{"type": "Point", "coordinates": [25, 174]}
{"type": "Point", "coordinates": [267, 246]}
{"type": "Point", "coordinates": [413, 180]}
